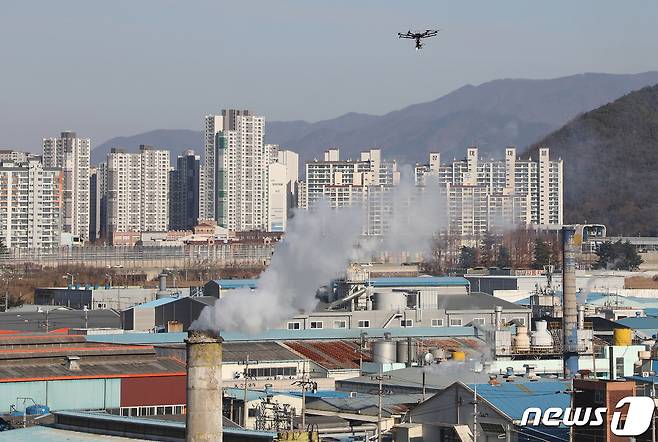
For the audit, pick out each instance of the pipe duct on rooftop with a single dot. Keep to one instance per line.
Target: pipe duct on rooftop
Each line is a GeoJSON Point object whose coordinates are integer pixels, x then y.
{"type": "Point", "coordinates": [204, 386]}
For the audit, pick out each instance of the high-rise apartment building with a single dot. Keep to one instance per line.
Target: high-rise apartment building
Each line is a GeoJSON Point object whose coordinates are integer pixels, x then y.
{"type": "Point", "coordinates": [71, 154]}
{"type": "Point", "coordinates": [138, 190]}
{"type": "Point", "coordinates": [346, 183]}
{"type": "Point", "coordinates": [184, 192]}
{"type": "Point", "coordinates": [213, 127]}
{"type": "Point", "coordinates": [30, 198]}
{"type": "Point", "coordinates": [489, 195]}
{"type": "Point", "coordinates": [242, 175]}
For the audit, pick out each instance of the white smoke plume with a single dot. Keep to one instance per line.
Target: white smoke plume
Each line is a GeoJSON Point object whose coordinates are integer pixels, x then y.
{"type": "Point", "coordinates": [317, 248]}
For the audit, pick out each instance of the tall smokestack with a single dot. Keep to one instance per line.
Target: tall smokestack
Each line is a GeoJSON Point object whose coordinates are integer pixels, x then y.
{"type": "Point", "coordinates": [569, 305]}
{"type": "Point", "coordinates": [204, 386]}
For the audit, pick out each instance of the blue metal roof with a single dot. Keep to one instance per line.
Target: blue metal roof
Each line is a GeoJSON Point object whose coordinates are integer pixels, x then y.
{"type": "Point", "coordinates": [513, 398]}
{"type": "Point", "coordinates": [236, 283]}
{"type": "Point", "coordinates": [289, 335]}
{"type": "Point", "coordinates": [158, 302]}
{"type": "Point", "coordinates": [642, 323]}
{"type": "Point", "coordinates": [421, 281]}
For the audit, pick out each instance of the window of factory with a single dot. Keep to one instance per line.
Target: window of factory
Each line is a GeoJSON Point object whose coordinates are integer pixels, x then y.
{"type": "Point", "coordinates": [316, 324]}
{"type": "Point", "coordinates": [456, 322]}
{"type": "Point", "coordinates": [620, 367]}
{"type": "Point", "coordinates": [271, 372]}
{"type": "Point", "coordinates": [364, 324]}
{"type": "Point", "coordinates": [478, 321]}
{"type": "Point", "coordinates": [293, 326]}
{"type": "Point", "coordinates": [521, 320]}
{"type": "Point", "coordinates": [437, 322]}
{"type": "Point", "coordinates": [252, 412]}
{"type": "Point", "coordinates": [406, 322]}
{"type": "Point", "coordinates": [340, 324]}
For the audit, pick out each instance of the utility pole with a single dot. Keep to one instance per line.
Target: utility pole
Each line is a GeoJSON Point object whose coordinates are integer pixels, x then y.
{"type": "Point", "coordinates": [244, 396]}
{"type": "Point", "coordinates": [304, 384]}
{"type": "Point", "coordinates": [380, 393]}
{"type": "Point", "coordinates": [653, 416]}
{"type": "Point", "coordinates": [475, 412]}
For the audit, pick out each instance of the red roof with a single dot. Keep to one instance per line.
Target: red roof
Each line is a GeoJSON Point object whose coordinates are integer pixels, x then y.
{"type": "Point", "coordinates": [332, 355]}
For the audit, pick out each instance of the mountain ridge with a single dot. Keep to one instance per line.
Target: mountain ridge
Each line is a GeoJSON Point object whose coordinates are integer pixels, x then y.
{"type": "Point", "coordinates": [491, 115]}
{"type": "Point", "coordinates": [610, 160]}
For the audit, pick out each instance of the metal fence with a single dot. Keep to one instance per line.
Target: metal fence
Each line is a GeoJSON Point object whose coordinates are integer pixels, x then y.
{"type": "Point", "coordinates": [145, 256]}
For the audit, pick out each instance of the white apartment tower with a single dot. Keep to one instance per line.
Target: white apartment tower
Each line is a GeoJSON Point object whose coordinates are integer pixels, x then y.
{"type": "Point", "coordinates": [242, 178]}
{"type": "Point", "coordinates": [214, 126]}
{"type": "Point", "coordinates": [485, 195]}
{"type": "Point", "coordinates": [71, 154]}
{"type": "Point", "coordinates": [346, 183]}
{"type": "Point", "coordinates": [138, 190]}
{"type": "Point", "coordinates": [30, 197]}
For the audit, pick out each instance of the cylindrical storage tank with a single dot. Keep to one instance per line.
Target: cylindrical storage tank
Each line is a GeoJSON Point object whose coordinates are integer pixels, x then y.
{"type": "Point", "coordinates": [438, 353]}
{"type": "Point", "coordinates": [622, 336]}
{"type": "Point", "coordinates": [521, 339]}
{"type": "Point", "coordinates": [458, 356]}
{"type": "Point", "coordinates": [541, 336]}
{"type": "Point", "coordinates": [388, 301]}
{"type": "Point", "coordinates": [384, 352]}
{"type": "Point", "coordinates": [369, 304]}
{"type": "Point", "coordinates": [403, 352]}
{"type": "Point", "coordinates": [203, 421]}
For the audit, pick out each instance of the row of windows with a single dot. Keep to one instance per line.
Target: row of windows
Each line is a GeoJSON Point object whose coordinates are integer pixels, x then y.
{"type": "Point", "coordinates": [454, 322]}
{"type": "Point", "coordinates": [271, 372]}
{"type": "Point", "coordinates": [153, 411]}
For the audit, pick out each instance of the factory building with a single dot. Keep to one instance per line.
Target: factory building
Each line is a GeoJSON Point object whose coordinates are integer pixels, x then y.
{"type": "Point", "coordinates": [160, 314]}
{"type": "Point", "coordinates": [500, 407]}
{"type": "Point", "coordinates": [64, 372]}
{"type": "Point", "coordinates": [93, 297]}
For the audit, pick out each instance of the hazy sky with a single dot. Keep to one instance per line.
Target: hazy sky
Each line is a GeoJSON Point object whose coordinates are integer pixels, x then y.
{"type": "Point", "coordinates": [123, 67]}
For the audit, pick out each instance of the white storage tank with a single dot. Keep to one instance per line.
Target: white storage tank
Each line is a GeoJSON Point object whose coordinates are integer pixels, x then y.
{"type": "Point", "coordinates": [384, 351]}
{"type": "Point", "coordinates": [403, 351]}
{"type": "Point", "coordinates": [389, 301]}
{"type": "Point", "coordinates": [541, 337]}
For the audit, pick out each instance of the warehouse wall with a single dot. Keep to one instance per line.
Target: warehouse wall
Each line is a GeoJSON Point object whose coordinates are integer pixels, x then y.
{"type": "Point", "coordinates": [155, 390]}
{"type": "Point", "coordinates": [78, 394]}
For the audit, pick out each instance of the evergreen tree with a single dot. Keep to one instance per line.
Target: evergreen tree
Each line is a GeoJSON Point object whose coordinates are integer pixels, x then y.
{"type": "Point", "coordinates": [468, 257]}
{"type": "Point", "coordinates": [542, 254]}
{"type": "Point", "coordinates": [618, 256]}
{"type": "Point", "coordinates": [504, 259]}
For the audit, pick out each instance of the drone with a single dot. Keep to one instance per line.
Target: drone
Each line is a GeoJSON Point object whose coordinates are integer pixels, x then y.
{"type": "Point", "coordinates": [418, 36]}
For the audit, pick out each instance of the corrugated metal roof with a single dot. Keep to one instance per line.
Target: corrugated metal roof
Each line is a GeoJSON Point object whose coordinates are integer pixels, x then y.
{"type": "Point", "coordinates": [260, 351]}
{"type": "Point", "coordinates": [288, 335]}
{"type": "Point", "coordinates": [420, 281]}
{"type": "Point", "coordinates": [236, 283]}
{"type": "Point", "coordinates": [513, 398]}
{"type": "Point", "coordinates": [48, 434]}
{"type": "Point", "coordinates": [332, 355]}
{"type": "Point", "coordinates": [124, 367]}
{"type": "Point", "coordinates": [158, 422]}
{"type": "Point", "coordinates": [475, 301]}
